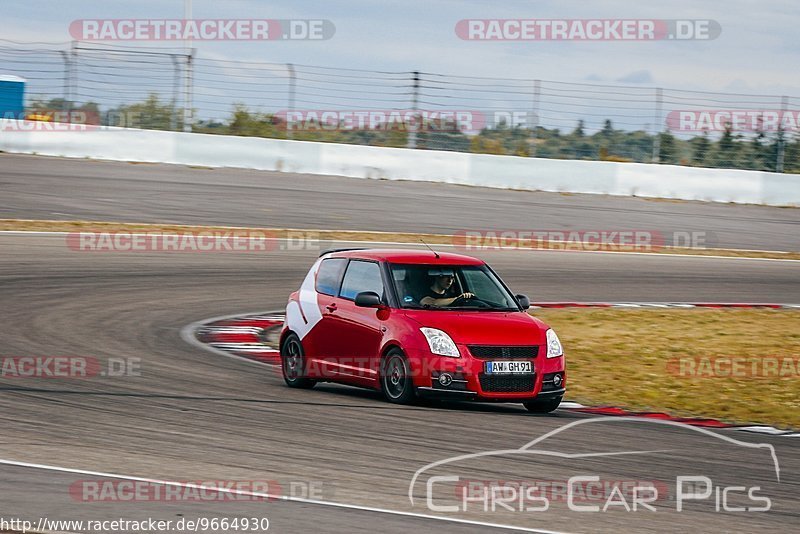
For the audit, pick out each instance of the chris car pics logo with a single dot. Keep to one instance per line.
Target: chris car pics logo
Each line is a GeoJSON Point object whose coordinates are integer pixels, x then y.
{"type": "Point", "coordinates": [443, 489]}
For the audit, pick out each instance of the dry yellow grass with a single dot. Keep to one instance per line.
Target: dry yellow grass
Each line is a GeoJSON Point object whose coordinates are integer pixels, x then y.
{"type": "Point", "coordinates": [622, 358]}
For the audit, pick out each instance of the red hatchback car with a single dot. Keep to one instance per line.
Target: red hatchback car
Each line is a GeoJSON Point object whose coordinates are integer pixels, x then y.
{"type": "Point", "coordinates": [409, 323]}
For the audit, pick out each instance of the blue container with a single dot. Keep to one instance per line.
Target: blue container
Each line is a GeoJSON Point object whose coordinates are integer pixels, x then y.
{"type": "Point", "coordinates": [12, 97]}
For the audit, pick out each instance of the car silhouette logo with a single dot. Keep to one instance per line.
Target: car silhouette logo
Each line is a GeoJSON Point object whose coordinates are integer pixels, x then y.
{"type": "Point", "coordinates": [532, 447]}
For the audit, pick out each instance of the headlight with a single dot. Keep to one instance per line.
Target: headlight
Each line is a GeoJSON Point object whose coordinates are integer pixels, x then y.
{"type": "Point", "coordinates": [440, 343]}
{"type": "Point", "coordinates": [554, 348]}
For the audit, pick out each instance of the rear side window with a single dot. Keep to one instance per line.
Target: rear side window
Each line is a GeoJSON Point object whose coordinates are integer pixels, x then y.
{"type": "Point", "coordinates": [329, 275]}
{"type": "Point", "coordinates": [361, 276]}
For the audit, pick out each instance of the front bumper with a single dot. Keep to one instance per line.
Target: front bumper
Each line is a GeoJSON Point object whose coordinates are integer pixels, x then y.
{"type": "Point", "coordinates": [468, 380]}
{"type": "Point", "coordinates": [472, 395]}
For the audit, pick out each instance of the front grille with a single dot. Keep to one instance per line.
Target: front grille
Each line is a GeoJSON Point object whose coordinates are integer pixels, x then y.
{"type": "Point", "coordinates": [499, 352]}
{"type": "Point", "coordinates": [507, 383]}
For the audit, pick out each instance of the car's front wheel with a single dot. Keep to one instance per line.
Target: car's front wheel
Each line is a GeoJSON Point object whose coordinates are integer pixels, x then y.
{"type": "Point", "coordinates": [396, 382]}
{"type": "Point", "coordinates": [542, 405]}
{"type": "Point", "coordinates": [293, 363]}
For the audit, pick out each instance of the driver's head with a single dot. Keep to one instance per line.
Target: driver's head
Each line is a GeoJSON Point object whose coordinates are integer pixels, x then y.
{"type": "Point", "coordinates": [445, 280]}
{"type": "Point", "coordinates": [442, 277]}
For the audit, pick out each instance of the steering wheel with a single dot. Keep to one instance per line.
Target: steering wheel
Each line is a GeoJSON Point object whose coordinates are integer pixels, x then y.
{"type": "Point", "coordinates": [461, 300]}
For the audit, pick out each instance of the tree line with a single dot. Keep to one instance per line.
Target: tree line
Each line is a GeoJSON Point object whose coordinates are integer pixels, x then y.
{"type": "Point", "coordinates": [730, 149]}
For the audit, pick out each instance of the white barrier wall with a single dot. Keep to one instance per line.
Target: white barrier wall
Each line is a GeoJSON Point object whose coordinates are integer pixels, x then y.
{"type": "Point", "coordinates": [507, 172]}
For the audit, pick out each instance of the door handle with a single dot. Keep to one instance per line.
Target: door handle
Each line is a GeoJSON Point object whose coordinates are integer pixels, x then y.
{"type": "Point", "coordinates": [331, 307]}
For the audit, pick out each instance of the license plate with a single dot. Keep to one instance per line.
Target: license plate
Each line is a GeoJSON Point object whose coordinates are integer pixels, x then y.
{"type": "Point", "coordinates": [509, 368]}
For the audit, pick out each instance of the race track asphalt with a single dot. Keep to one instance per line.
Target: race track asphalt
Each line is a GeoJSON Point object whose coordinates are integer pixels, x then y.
{"type": "Point", "coordinates": [35, 187]}
{"type": "Point", "coordinates": [191, 415]}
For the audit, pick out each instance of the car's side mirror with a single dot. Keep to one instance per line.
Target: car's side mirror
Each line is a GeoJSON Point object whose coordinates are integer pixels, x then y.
{"type": "Point", "coordinates": [368, 299]}
{"type": "Point", "coordinates": [524, 301]}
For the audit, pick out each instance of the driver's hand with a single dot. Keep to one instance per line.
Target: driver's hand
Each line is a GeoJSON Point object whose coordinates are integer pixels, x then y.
{"type": "Point", "coordinates": [467, 295]}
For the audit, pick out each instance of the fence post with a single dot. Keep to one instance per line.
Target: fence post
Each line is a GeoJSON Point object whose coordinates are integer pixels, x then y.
{"type": "Point", "coordinates": [73, 78]}
{"type": "Point", "coordinates": [66, 56]}
{"type": "Point", "coordinates": [176, 84]}
{"type": "Point", "coordinates": [537, 91]}
{"type": "Point", "coordinates": [781, 136]}
{"type": "Point", "coordinates": [412, 133]}
{"type": "Point", "coordinates": [292, 88]}
{"type": "Point", "coordinates": [187, 88]}
{"type": "Point", "coordinates": [657, 127]}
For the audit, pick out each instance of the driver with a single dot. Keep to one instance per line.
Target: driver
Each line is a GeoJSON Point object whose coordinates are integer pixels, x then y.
{"type": "Point", "coordinates": [442, 281]}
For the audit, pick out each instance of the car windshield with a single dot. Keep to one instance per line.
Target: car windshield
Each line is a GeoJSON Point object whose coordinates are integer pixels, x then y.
{"type": "Point", "coordinates": [448, 287]}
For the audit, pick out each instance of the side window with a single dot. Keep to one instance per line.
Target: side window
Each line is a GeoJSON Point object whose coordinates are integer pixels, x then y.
{"type": "Point", "coordinates": [329, 275]}
{"type": "Point", "coordinates": [361, 276]}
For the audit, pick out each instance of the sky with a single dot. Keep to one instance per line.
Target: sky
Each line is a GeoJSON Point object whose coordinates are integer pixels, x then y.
{"type": "Point", "coordinates": [757, 52]}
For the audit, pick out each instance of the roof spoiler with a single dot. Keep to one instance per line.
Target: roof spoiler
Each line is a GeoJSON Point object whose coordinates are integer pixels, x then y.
{"type": "Point", "coordinates": [334, 250]}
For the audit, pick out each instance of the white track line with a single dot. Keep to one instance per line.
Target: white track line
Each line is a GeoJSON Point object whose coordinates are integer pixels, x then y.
{"type": "Point", "coordinates": [233, 330]}
{"type": "Point", "coordinates": [570, 404]}
{"type": "Point", "coordinates": [770, 430]}
{"type": "Point", "coordinates": [242, 347]}
{"type": "Point", "coordinates": [288, 498]}
{"type": "Point", "coordinates": [439, 245]}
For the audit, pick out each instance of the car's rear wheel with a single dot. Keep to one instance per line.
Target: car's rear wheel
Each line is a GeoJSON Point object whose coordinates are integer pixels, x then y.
{"type": "Point", "coordinates": [542, 405]}
{"type": "Point", "coordinates": [396, 382]}
{"type": "Point", "coordinates": [293, 363]}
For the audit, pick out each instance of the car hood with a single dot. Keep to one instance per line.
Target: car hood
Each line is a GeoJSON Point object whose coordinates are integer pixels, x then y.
{"type": "Point", "coordinates": [484, 328]}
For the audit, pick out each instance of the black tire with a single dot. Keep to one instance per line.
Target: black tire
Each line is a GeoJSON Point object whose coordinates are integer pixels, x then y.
{"type": "Point", "coordinates": [396, 382]}
{"type": "Point", "coordinates": [542, 405]}
{"type": "Point", "coordinates": [293, 363]}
